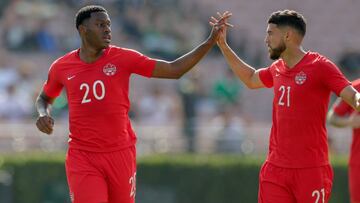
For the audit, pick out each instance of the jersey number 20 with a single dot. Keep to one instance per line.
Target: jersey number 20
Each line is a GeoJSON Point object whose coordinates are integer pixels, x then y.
{"type": "Point", "coordinates": [98, 95]}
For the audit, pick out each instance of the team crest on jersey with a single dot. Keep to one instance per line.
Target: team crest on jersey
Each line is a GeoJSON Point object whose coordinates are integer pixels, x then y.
{"type": "Point", "coordinates": [300, 78]}
{"type": "Point", "coordinates": [109, 69]}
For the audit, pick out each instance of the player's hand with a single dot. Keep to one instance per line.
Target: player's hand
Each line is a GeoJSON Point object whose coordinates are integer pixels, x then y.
{"type": "Point", "coordinates": [219, 26]}
{"type": "Point", "coordinates": [45, 124]}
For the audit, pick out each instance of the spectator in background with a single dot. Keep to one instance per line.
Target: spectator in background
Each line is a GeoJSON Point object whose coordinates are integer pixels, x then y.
{"type": "Point", "coordinates": [227, 94]}
{"type": "Point", "coordinates": [157, 108]}
{"type": "Point", "coordinates": [45, 40]}
{"type": "Point", "coordinates": [227, 90]}
{"type": "Point", "coordinates": [189, 92]}
{"type": "Point", "coordinates": [297, 169]}
{"type": "Point", "coordinates": [342, 115]}
{"type": "Point", "coordinates": [101, 160]}
{"type": "Point", "coordinates": [25, 90]}
{"type": "Point", "coordinates": [11, 106]}
{"type": "Point", "coordinates": [350, 62]}
{"type": "Point", "coordinates": [8, 72]}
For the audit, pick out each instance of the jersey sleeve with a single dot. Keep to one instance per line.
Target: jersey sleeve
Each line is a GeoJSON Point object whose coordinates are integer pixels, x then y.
{"type": "Point", "coordinates": [342, 108]}
{"type": "Point", "coordinates": [333, 78]}
{"type": "Point", "coordinates": [266, 77]}
{"type": "Point", "coordinates": [52, 86]}
{"type": "Point", "coordinates": [141, 64]}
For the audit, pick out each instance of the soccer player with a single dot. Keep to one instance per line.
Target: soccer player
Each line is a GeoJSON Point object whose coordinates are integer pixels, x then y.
{"type": "Point", "coordinates": [297, 168]}
{"type": "Point", "coordinates": [101, 160]}
{"type": "Point", "coordinates": [343, 115]}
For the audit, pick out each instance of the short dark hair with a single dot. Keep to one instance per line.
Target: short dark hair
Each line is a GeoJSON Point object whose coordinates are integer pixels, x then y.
{"type": "Point", "coordinates": [85, 13]}
{"type": "Point", "coordinates": [289, 18]}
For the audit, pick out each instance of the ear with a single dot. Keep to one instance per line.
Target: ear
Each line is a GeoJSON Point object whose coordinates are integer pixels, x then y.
{"type": "Point", "coordinates": [288, 34]}
{"type": "Point", "coordinates": [82, 28]}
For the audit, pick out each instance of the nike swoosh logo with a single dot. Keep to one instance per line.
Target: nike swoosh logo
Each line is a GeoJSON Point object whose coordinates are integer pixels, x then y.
{"type": "Point", "coordinates": [71, 77]}
{"type": "Point", "coordinates": [277, 73]}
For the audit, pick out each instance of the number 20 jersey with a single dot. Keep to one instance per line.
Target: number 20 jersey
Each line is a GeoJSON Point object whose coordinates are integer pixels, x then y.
{"type": "Point", "coordinates": [298, 137]}
{"type": "Point", "coordinates": [98, 96]}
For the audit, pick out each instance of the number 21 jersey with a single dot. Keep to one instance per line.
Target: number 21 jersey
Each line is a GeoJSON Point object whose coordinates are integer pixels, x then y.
{"type": "Point", "coordinates": [298, 137]}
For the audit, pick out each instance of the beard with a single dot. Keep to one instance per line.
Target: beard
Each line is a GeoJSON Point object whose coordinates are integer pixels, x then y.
{"type": "Point", "coordinates": [275, 53]}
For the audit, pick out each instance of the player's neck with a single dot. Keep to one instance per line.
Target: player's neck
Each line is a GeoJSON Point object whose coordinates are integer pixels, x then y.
{"type": "Point", "coordinates": [90, 55]}
{"type": "Point", "coordinates": [291, 57]}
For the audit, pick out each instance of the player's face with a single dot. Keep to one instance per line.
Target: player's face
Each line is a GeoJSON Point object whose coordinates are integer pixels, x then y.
{"type": "Point", "coordinates": [98, 31]}
{"type": "Point", "coordinates": [275, 41]}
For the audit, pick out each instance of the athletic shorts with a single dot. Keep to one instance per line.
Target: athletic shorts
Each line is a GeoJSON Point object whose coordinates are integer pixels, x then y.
{"type": "Point", "coordinates": [289, 185]}
{"type": "Point", "coordinates": [354, 183]}
{"type": "Point", "coordinates": [95, 177]}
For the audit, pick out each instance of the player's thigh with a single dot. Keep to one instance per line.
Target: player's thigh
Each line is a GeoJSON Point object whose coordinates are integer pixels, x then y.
{"type": "Point", "coordinates": [86, 183]}
{"type": "Point", "coordinates": [88, 189]}
{"type": "Point", "coordinates": [354, 183]}
{"type": "Point", "coordinates": [272, 185]}
{"type": "Point", "coordinates": [273, 193]}
{"type": "Point", "coordinates": [313, 185]}
{"type": "Point", "coordinates": [122, 176]}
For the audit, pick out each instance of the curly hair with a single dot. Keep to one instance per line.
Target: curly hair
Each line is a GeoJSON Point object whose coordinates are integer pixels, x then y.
{"type": "Point", "coordinates": [289, 18]}
{"type": "Point", "coordinates": [85, 13]}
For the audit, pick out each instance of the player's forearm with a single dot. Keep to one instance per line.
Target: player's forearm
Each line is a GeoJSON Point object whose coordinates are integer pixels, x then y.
{"type": "Point", "coordinates": [186, 62]}
{"type": "Point", "coordinates": [338, 121]}
{"type": "Point", "coordinates": [42, 107]}
{"type": "Point", "coordinates": [244, 71]}
{"type": "Point", "coordinates": [43, 104]}
{"type": "Point", "coordinates": [356, 100]}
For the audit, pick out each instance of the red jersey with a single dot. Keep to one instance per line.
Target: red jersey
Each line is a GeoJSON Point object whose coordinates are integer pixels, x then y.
{"type": "Point", "coordinates": [298, 136]}
{"type": "Point", "coordinates": [98, 96]}
{"type": "Point", "coordinates": [343, 109]}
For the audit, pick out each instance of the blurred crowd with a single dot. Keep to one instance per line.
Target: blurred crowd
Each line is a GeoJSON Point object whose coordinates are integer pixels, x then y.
{"type": "Point", "coordinates": [33, 33]}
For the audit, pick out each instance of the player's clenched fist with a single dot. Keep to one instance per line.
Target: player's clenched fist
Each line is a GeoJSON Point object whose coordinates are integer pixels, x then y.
{"type": "Point", "coordinates": [45, 124]}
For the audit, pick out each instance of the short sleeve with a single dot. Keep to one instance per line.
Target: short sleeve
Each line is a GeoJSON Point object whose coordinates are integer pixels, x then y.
{"type": "Point", "coordinates": [342, 108]}
{"type": "Point", "coordinates": [266, 77]}
{"type": "Point", "coordinates": [141, 64]}
{"type": "Point", "coordinates": [333, 78]}
{"type": "Point", "coordinates": [52, 86]}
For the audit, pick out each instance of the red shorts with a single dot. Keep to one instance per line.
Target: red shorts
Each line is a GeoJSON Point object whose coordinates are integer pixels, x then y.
{"type": "Point", "coordinates": [292, 185]}
{"type": "Point", "coordinates": [101, 177]}
{"type": "Point", "coordinates": [354, 183]}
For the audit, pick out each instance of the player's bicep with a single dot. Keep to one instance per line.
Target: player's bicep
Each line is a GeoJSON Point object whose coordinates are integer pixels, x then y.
{"type": "Point", "coordinates": [53, 85]}
{"type": "Point", "coordinates": [256, 80]}
{"type": "Point", "coordinates": [164, 69]}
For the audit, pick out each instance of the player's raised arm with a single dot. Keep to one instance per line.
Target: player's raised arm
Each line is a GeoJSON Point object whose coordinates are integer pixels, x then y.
{"type": "Point", "coordinates": [175, 69]}
{"type": "Point", "coordinates": [247, 74]}
{"type": "Point", "coordinates": [44, 122]}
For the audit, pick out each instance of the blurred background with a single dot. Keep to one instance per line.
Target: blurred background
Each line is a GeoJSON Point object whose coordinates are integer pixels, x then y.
{"type": "Point", "coordinates": [207, 112]}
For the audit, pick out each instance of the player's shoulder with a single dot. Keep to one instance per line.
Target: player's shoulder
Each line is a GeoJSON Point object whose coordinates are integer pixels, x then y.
{"type": "Point", "coordinates": [317, 58]}
{"type": "Point", "coordinates": [320, 61]}
{"type": "Point", "coordinates": [115, 50]}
